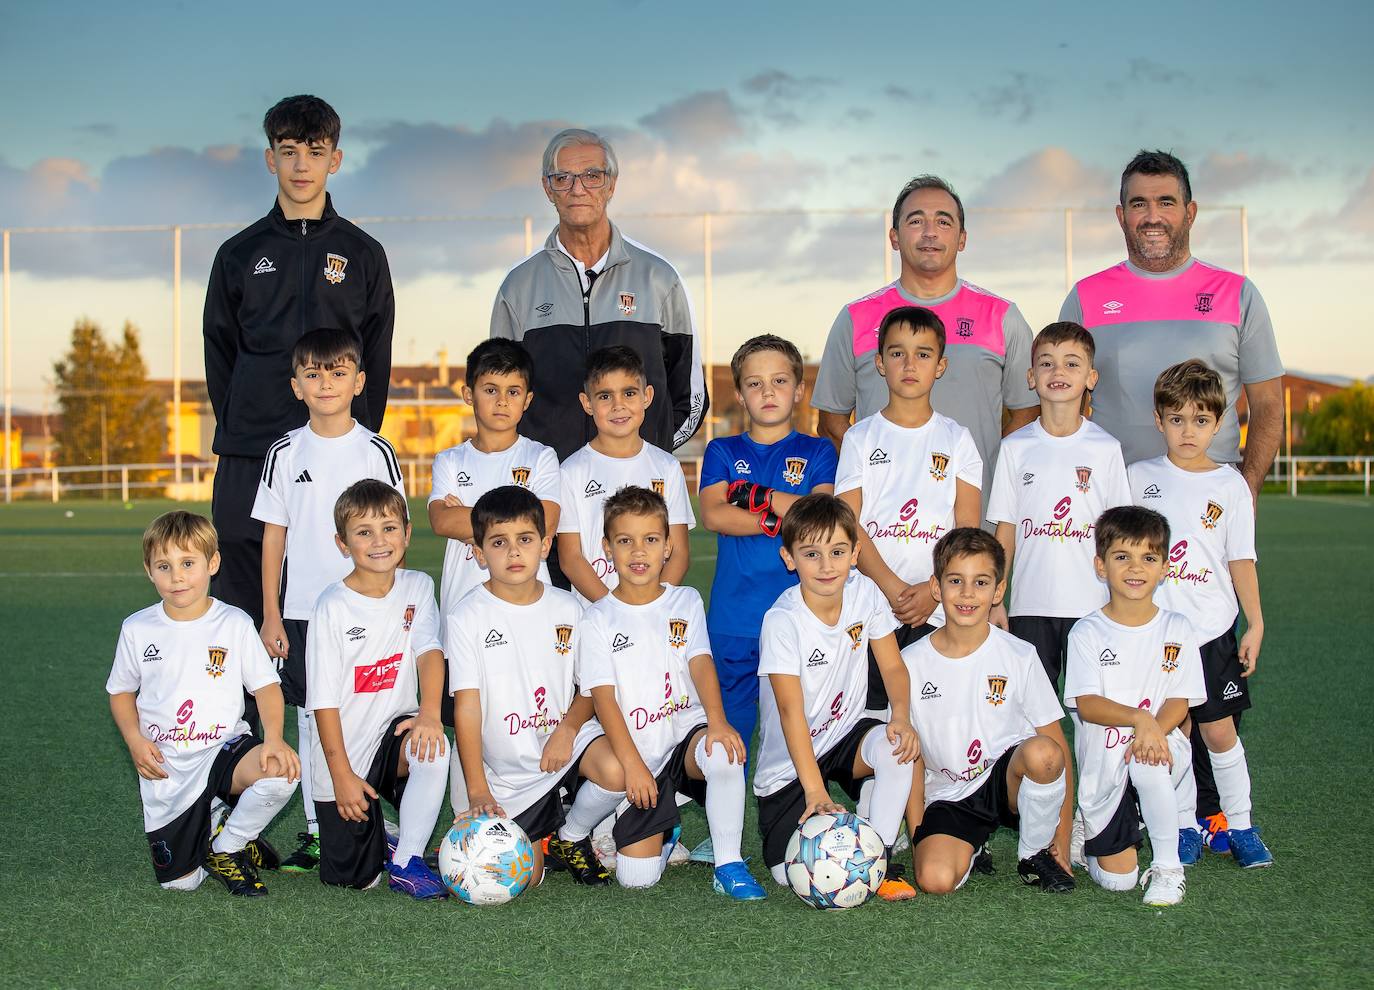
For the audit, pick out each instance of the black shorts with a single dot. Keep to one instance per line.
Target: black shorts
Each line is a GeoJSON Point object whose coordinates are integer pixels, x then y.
{"type": "Point", "coordinates": [977, 816]}
{"type": "Point", "coordinates": [180, 846]}
{"type": "Point", "coordinates": [352, 854]}
{"type": "Point", "coordinates": [546, 815]}
{"type": "Point", "coordinates": [293, 667]}
{"type": "Point", "coordinates": [877, 692]}
{"type": "Point", "coordinates": [640, 823]}
{"type": "Point", "coordinates": [446, 704]}
{"type": "Point", "coordinates": [1228, 693]}
{"type": "Point", "coordinates": [779, 812]}
{"type": "Point", "coordinates": [1123, 831]}
{"type": "Point", "coordinates": [1049, 634]}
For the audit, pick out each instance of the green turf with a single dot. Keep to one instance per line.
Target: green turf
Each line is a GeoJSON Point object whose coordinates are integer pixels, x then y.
{"type": "Point", "coordinates": [81, 908]}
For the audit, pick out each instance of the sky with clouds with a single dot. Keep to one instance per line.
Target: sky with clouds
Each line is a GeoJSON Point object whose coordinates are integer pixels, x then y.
{"type": "Point", "coordinates": [151, 116]}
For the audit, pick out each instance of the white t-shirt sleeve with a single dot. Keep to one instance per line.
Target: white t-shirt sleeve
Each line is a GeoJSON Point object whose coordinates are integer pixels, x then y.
{"type": "Point", "coordinates": [125, 676]}
{"type": "Point", "coordinates": [567, 503]}
{"type": "Point", "coordinates": [1037, 694]}
{"type": "Point", "coordinates": [1187, 681]}
{"type": "Point", "coordinates": [323, 670]}
{"type": "Point", "coordinates": [424, 627]}
{"type": "Point", "coordinates": [270, 504]}
{"type": "Point", "coordinates": [594, 667]}
{"type": "Point", "coordinates": [386, 466]}
{"type": "Point", "coordinates": [1002, 502]}
{"type": "Point", "coordinates": [463, 661]}
{"type": "Point", "coordinates": [969, 464]}
{"type": "Point", "coordinates": [880, 621]}
{"type": "Point", "coordinates": [850, 473]}
{"type": "Point", "coordinates": [698, 642]}
{"type": "Point", "coordinates": [1082, 673]}
{"type": "Point", "coordinates": [679, 502]}
{"type": "Point", "coordinates": [1240, 531]}
{"type": "Point", "coordinates": [443, 478]}
{"type": "Point", "coordinates": [778, 649]}
{"type": "Point", "coordinates": [257, 667]}
{"type": "Point", "coordinates": [547, 483]}
{"type": "Point", "coordinates": [1118, 485]}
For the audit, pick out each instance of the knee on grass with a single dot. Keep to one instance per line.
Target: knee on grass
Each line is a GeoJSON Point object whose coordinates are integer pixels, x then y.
{"type": "Point", "coordinates": [939, 877]}
{"type": "Point", "coordinates": [190, 881]}
{"type": "Point", "coordinates": [637, 872]}
{"type": "Point", "coordinates": [1112, 881]}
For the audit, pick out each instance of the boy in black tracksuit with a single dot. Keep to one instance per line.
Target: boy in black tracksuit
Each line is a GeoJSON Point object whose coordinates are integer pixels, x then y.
{"type": "Point", "coordinates": [300, 268]}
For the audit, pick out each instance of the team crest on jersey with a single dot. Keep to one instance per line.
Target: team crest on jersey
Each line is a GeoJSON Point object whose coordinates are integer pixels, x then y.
{"type": "Point", "coordinates": [677, 633]}
{"type": "Point", "coordinates": [520, 476]}
{"type": "Point", "coordinates": [855, 634]}
{"type": "Point", "coordinates": [409, 618]}
{"type": "Point", "coordinates": [657, 485]}
{"type": "Point", "coordinates": [997, 689]}
{"type": "Point", "coordinates": [334, 265]}
{"type": "Point", "coordinates": [1171, 651]}
{"type": "Point", "coordinates": [215, 668]}
{"type": "Point", "coordinates": [1084, 473]}
{"type": "Point", "coordinates": [794, 470]}
{"type": "Point", "coordinates": [1203, 303]}
{"type": "Point", "coordinates": [964, 327]}
{"type": "Point", "coordinates": [1212, 516]}
{"type": "Point", "coordinates": [627, 303]}
{"type": "Point", "coordinates": [562, 640]}
{"type": "Point", "coordinates": [939, 466]}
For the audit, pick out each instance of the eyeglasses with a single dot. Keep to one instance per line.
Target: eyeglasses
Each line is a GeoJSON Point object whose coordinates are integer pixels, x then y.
{"type": "Point", "coordinates": [592, 178]}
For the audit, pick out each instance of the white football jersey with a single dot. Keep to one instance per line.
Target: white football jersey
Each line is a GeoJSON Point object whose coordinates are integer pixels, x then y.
{"type": "Point", "coordinates": [644, 652]}
{"type": "Point", "coordinates": [521, 659]}
{"type": "Point", "coordinates": [360, 658]}
{"type": "Point", "coordinates": [1211, 523]}
{"type": "Point", "coordinates": [1137, 666]}
{"type": "Point", "coordinates": [1052, 489]}
{"type": "Point", "coordinates": [303, 476]}
{"type": "Point", "coordinates": [468, 473]}
{"type": "Point", "coordinates": [908, 478]}
{"type": "Point", "coordinates": [189, 678]}
{"type": "Point", "coordinates": [832, 662]}
{"type": "Point", "coordinates": [589, 478]}
{"type": "Point", "coordinates": [970, 711]}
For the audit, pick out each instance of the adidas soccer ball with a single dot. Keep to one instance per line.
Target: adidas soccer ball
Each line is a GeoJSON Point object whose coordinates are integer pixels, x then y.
{"type": "Point", "coordinates": [835, 861]}
{"type": "Point", "coordinates": [486, 860]}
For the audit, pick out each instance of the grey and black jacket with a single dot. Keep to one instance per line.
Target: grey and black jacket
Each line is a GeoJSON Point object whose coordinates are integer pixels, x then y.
{"type": "Point", "coordinates": [635, 299]}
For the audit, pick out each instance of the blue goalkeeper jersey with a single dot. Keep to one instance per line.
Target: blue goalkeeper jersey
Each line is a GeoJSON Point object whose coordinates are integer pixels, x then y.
{"type": "Point", "coordinates": [750, 574]}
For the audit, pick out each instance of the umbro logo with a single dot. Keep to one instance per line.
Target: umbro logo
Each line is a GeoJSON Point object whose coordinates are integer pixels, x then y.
{"type": "Point", "coordinates": [742, 466]}
{"type": "Point", "coordinates": [929, 690]}
{"type": "Point", "coordinates": [593, 488]}
{"type": "Point", "coordinates": [544, 309]}
{"type": "Point", "coordinates": [304, 476]}
{"type": "Point", "coordinates": [1231, 691]}
{"type": "Point", "coordinates": [494, 638]}
{"type": "Point", "coordinates": [1112, 307]}
{"type": "Point", "coordinates": [1108, 659]}
{"type": "Point", "coordinates": [264, 267]}
{"type": "Point", "coordinates": [1153, 492]}
{"type": "Point", "coordinates": [463, 478]}
{"type": "Point", "coordinates": [151, 654]}
{"type": "Point", "coordinates": [620, 642]}
{"type": "Point", "coordinates": [1027, 478]}
{"type": "Point", "coordinates": [816, 659]}
{"type": "Point", "coordinates": [356, 633]}
{"type": "Point", "coordinates": [879, 456]}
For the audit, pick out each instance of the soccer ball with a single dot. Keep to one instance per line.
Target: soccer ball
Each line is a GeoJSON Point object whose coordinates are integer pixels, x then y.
{"type": "Point", "coordinates": [835, 861]}
{"type": "Point", "coordinates": [486, 860]}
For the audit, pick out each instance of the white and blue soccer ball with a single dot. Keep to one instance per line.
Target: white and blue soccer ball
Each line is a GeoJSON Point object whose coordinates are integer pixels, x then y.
{"type": "Point", "coordinates": [835, 861]}
{"type": "Point", "coordinates": [486, 860]}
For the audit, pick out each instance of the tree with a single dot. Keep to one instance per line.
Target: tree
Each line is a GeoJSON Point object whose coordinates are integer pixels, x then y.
{"type": "Point", "coordinates": [109, 412]}
{"type": "Point", "coordinates": [1342, 424]}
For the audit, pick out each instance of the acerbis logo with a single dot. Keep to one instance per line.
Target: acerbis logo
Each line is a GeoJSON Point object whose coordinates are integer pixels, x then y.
{"type": "Point", "coordinates": [878, 456]}
{"type": "Point", "coordinates": [929, 691]}
{"type": "Point", "coordinates": [463, 479]}
{"type": "Point", "coordinates": [151, 654]}
{"type": "Point", "coordinates": [620, 642]}
{"type": "Point", "coordinates": [742, 466]}
{"type": "Point", "coordinates": [494, 638]}
{"type": "Point", "coordinates": [264, 267]}
{"type": "Point", "coordinates": [1152, 492]}
{"type": "Point", "coordinates": [816, 659]}
{"type": "Point", "coordinates": [1231, 692]}
{"type": "Point", "coordinates": [593, 488]}
{"type": "Point", "coordinates": [1108, 659]}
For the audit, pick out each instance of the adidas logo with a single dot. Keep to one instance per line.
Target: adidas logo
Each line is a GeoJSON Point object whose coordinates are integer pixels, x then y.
{"type": "Point", "coordinates": [356, 633]}
{"type": "Point", "coordinates": [1231, 692]}
{"type": "Point", "coordinates": [1153, 492]}
{"type": "Point", "coordinates": [151, 654]}
{"type": "Point", "coordinates": [499, 829]}
{"type": "Point", "coordinates": [463, 478]}
{"type": "Point", "coordinates": [816, 659]}
{"type": "Point", "coordinates": [879, 456]}
{"type": "Point", "coordinates": [264, 267]}
{"type": "Point", "coordinates": [1108, 659]}
{"type": "Point", "coordinates": [929, 690]}
{"type": "Point", "coordinates": [593, 488]}
{"type": "Point", "coordinates": [620, 642]}
{"type": "Point", "coordinates": [303, 476]}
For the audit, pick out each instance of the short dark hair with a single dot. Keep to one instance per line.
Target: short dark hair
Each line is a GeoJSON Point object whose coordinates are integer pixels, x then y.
{"type": "Point", "coordinates": [617, 357]}
{"type": "Point", "coordinates": [307, 119]}
{"type": "Point", "coordinates": [818, 515]}
{"type": "Point", "coordinates": [766, 342]}
{"type": "Point", "coordinates": [918, 318]}
{"type": "Point", "coordinates": [1157, 163]}
{"type": "Point", "coordinates": [631, 500]}
{"type": "Point", "coordinates": [969, 541]}
{"type": "Point", "coordinates": [1065, 332]}
{"type": "Point", "coordinates": [926, 182]}
{"type": "Point", "coordinates": [1132, 524]}
{"type": "Point", "coordinates": [507, 503]}
{"type": "Point", "coordinates": [327, 348]}
{"type": "Point", "coordinates": [498, 356]}
{"type": "Point", "coordinates": [368, 497]}
{"type": "Point", "coordinates": [1190, 381]}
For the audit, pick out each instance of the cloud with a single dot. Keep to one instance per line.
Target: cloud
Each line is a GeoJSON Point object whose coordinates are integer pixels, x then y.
{"type": "Point", "coordinates": [100, 129]}
{"type": "Point", "coordinates": [1144, 71]}
{"type": "Point", "coordinates": [781, 85]}
{"type": "Point", "coordinates": [1357, 214]}
{"type": "Point", "coordinates": [894, 92]}
{"type": "Point", "coordinates": [709, 119]}
{"type": "Point", "coordinates": [1220, 174]}
{"type": "Point", "coordinates": [1018, 98]}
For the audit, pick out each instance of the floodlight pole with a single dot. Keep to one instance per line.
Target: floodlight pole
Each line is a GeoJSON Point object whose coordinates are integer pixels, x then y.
{"type": "Point", "coordinates": [9, 372]}
{"type": "Point", "coordinates": [176, 351]}
{"type": "Point", "coordinates": [529, 236]}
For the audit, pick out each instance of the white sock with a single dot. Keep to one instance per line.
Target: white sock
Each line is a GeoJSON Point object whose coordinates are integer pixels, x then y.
{"type": "Point", "coordinates": [603, 827]}
{"type": "Point", "coordinates": [457, 785]}
{"type": "Point", "coordinates": [420, 804]}
{"type": "Point", "coordinates": [305, 749]}
{"type": "Point", "coordinates": [1232, 774]}
{"type": "Point", "coordinates": [593, 804]}
{"type": "Point", "coordinates": [638, 871]}
{"type": "Point", "coordinates": [190, 881]}
{"type": "Point", "coordinates": [724, 801]}
{"type": "Point", "coordinates": [1113, 881]}
{"type": "Point", "coordinates": [258, 805]}
{"type": "Point", "coordinates": [1159, 808]}
{"type": "Point", "coordinates": [1185, 785]}
{"type": "Point", "coordinates": [779, 875]}
{"type": "Point", "coordinates": [864, 806]}
{"type": "Point", "coordinates": [1039, 806]}
{"type": "Point", "coordinates": [891, 785]}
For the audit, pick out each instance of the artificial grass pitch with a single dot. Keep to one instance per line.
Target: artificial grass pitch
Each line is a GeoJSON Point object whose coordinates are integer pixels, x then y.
{"type": "Point", "coordinates": [81, 907]}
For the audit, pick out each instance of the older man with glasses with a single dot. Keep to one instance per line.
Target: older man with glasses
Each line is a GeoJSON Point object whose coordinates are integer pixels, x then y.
{"type": "Point", "coordinates": [590, 287]}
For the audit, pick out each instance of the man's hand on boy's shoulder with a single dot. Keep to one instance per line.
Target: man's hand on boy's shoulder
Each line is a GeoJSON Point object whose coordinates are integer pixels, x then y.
{"type": "Point", "coordinates": [425, 738]}
{"type": "Point", "coordinates": [148, 759]}
{"type": "Point", "coordinates": [275, 754]}
{"type": "Point", "coordinates": [558, 748]}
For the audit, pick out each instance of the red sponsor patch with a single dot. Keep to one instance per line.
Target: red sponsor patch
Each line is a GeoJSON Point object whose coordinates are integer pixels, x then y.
{"type": "Point", "coordinates": [380, 676]}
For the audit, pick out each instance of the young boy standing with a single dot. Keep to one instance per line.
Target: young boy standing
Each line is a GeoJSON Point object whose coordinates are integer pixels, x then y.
{"type": "Point", "coordinates": [910, 475]}
{"type": "Point", "coordinates": [524, 733]}
{"type": "Point", "coordinates": [814, 668]}
{"type": "Point", "coordinates": [375, 677]}
{"type": "Point", "coordinates": [1211, 570]}
{"type": "Point", "coordinates": [176, 693]}
{"type": "Point", "coordinates": [1054, 477]}
{"type": "Point", "coordinates": [1133, 672]}
{"type": "Point", "coordinates": [644, 658]}
{"type": "Point", "coordinates": [747, 485]}
{"type": "Point", "coordinates": [299, 267]}
{"type": "Point", "coordinates": [616, 395]}
{"type": "Point", "coordinates": [303, 476]}
{"type": "Point", "coordinates": [993, 750]}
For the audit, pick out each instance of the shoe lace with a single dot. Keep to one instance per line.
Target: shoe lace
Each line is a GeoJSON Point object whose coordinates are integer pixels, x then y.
{"type": "Point", "coordinates": [227, 865]}
{"type": "Point", "coordinates": [1216, 823]}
